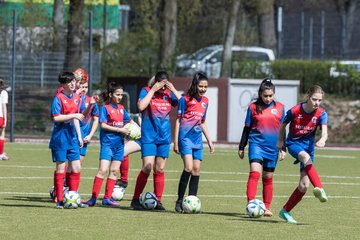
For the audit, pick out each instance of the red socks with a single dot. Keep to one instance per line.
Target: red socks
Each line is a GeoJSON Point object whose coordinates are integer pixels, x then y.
{"type": "Point", "coordinates": [96, 187]}
{"type": "Point", "coordinates": [59, 185]}
{"type": "Point", "coordinates": [294, 199]}
{"type": "Point", "coordinates": [267, 191]}
{"type": "Point", "coordinates": [159, 184]}
{"type": "Point", "coordinates": [252, 185]}
{"type": "Point", "coordinates": [110, 183]}
{"type": "Point", "coordinates": [313, 176]}
{"type": "Point", "coordinates": [124, 169]}
{"type": "Point", "coordinates": [140, 184]}
{"type": "Point", "coordinates": [2, 143]}
{"type": "Point", "coordinates": [73, 181]}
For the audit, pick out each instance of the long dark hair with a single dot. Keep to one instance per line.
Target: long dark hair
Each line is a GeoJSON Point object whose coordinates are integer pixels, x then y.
{"type": "Point", "coordinates": [198, 76]}
{"type": "Point", "coordinates": [266, 84]}
{"type": "Point", "coordinates": [110, 89]}
{"type": "Point", "coordinates": [2, 84]}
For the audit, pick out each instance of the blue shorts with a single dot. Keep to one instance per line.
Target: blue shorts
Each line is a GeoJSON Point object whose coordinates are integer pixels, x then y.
{"type": "Point", "coordinates": [152, 149]}
{"type": "Point", "coordinates": [83, 150]}
{"type": "Point", "coordinates": [65, 155]}
{"type": "Point", "coordinates": [265, 158]}
{"type": "Point", "coordinates": [295, 148]}
{"type": "Point", "coordinates": [197, 154]}
{"type": "Point", "coordinates": [111, 154]}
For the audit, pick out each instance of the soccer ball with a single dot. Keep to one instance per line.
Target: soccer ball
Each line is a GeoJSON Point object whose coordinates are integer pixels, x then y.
{"type": "Point", "coordinates": [71, 199]}
{"type": "Point", "coordinates": [135, 131]}
{"type": "Point", "coordinates": [148, 200]}
{"type": "Point", "coordinates": [191, 204]}
{"type": "Point", "coordinates": [52, 192]}
{"type": "Point", "coordinates": [118, 193]}
{"type": "Point", "coordinates": [255, 208]}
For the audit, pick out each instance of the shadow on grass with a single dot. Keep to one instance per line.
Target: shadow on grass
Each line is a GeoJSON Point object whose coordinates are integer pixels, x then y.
{"type": "Point", "coordinates": [26, 206]}
{"type": "Point", "coordinates": [29, 199]}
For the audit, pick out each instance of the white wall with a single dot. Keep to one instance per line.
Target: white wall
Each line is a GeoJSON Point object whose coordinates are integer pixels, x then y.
{"type": "Point", "coordinates": [241, 93]}
{"type": "Point", "coordinates": [212, 112]}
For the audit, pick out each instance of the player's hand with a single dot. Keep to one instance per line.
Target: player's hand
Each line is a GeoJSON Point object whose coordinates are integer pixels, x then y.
{"type": "Point", "coordinates": [158, 85]}
{"type": "Point", "coordinates": [241, 154]}
{"type": "Point", "coordinates": [124, 131]}
{"type": "Point", "coordinates": [320, 143]}
{"type": "Point", "coordinates": [79, 116]}
{"type": "Point", "coordinates": [176, 148]}
{"type": "Point", "coordinates": [169, 85]}
{"type": "Point", "coordinates": [282, 155]}
{"type": "Point", "coordinates": [87, 139]}
{"type": "Point", "coordinates": [94, 99]}
{"type": "Point", "coordinates": [81, 143]}
{"type": "Point", "coordinates": [211, 148]}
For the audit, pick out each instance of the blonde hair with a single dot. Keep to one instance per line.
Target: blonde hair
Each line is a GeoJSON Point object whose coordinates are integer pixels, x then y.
{"type": "Point", "coordinates": [151, 81]}
{"type": "Point", "coordinates": [314, 89]}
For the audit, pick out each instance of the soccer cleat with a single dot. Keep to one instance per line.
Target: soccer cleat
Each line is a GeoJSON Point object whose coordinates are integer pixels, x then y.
{"type": "Point", "coordinates": [286, 216]}
{"type": "Point", "coordinates": [91, 202]}
{"type": "Point", "coordinates": [59, 205]}
{"type": "Point", "coordinates": [4, 157]}
{"type": "Point", "coordinates": [268, 213]}
{"type": "Point", "coordinates": [121, 183]}
{"type": "Point", "coordinates": [135, 204]}
{"type": "Point", "coordinates": [82, 205]}
{"type": "Point", "coordinates": [159, 207]}
{"type": "Point", "coordinates": [178, 207]}
{"type": "Point", "coordinates": [109, 202]}
{"type": "Point", "coordinates": [320, 194]}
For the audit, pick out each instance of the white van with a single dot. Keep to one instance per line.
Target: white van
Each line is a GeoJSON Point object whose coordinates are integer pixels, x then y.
{"type": "Point", "coordinates": [208, 59]}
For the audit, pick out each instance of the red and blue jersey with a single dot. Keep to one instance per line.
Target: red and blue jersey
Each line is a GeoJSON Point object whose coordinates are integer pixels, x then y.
{"type": "Point", "coordinates": [265, 126]}
{"type": "Point", "coordinates": [94, 111]}
{"type": "Point", "coordinates": [192, 112]}
{"type": "Point", "coordinates": [64, 135]}
{"type": "Point", "coordinates": [155, 125]}
{"type": "Point", "coordinates": [303, 125]}
{"type": "Point", "coordinates": [115, 116]}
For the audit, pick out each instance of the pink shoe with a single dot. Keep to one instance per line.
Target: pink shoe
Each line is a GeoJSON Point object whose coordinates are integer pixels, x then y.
{"type": "Point", "coordinates": [4, 157]}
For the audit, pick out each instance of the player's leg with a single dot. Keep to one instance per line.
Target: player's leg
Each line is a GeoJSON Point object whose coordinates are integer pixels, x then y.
{"type": "Point", "coordinates": [3, 156]}
{"type": "Point", "coordinates": [98, 181]}
{"type": "Point", "coordinates": [162, 153]}
{"type": "Point", "coordinates": [129, 148]}
{"type": "Point", "coordinates": [110, 183]}
{"type": "Point", "coordinates": [184, 179]}
{"type": "Point", "coordinates": [253, 179]}
{"type": "Point", "coordinates": [195, 172]}
{"type": "Point", "coordinates": [269, 166]}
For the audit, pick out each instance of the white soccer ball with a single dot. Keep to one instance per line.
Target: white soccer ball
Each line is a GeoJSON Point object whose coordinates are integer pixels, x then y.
{"type": "Point", "coordinates": [118, 193]}
{"type": "Point", "coordinates": [255, 208]}
{"type": "Point", "coordinates": [191, 204]}
{"type": "Point", "coordinates": [71, 199]}
{"type": "Point", "coordinates": [135, 131]}
{"type": "Point", "coordinates": [52, 192]}
{"type": "Point", "coordinates": [148, 200]}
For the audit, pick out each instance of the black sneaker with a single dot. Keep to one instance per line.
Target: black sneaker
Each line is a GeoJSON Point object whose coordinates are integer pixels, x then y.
{"type": "Point", "coordinates": [121, 183]}
{"type": "Point", "coordinates": [135, 204]}
{"type": "Point", "coordinates": [178, 207]}
{"type": "Point", "coordinates": [159, 207]}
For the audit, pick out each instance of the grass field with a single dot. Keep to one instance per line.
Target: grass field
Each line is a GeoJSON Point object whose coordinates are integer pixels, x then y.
{"type": "Point", "coordinates": [27, 213]}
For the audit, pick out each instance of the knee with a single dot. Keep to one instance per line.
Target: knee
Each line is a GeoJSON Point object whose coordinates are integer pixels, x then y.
{"type": "Point", "coordinates": [147, 168]}
{"type": "Point", "coordinates": [101, 173]}
{"type": "Point", "coordinates": [159, 169]}
{"type": "Point", "coordinates": [195, 171]}
{"type": "Point", "coordinates": [303, 186]}
{"type": "Point", "coordinates": [304, 157]}
{"type": "Point", "coordinates": [267, 175]}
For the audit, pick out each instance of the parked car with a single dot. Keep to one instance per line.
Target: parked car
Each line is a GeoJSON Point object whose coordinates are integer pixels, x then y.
{"type": "Point", "coordinates": [209, 59]}
{"type": "Point", "coordinates": [346, 64]}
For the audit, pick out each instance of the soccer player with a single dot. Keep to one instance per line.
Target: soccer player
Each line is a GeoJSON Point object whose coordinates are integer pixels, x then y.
{"type": "Point", "coordinates": [304, 119]}
{"type": "Point", "coordinates": [3, 118]}
{"type": "Point", "coordinates": [262, 125]}
{"type": "Point", "coordinates": [66, 136]}
{"type": "Point", "coordinates": [113, 118]}
{"type": "Point", "coordinates": [189, 126]}
{"type": "Point", "coordinates": [155, 105]}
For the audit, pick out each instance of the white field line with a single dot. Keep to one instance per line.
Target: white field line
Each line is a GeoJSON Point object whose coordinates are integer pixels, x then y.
{"type": "Point", "coordinates": [174, 195]}
{"type": "Point", "coordinates": [179, 171]}
{"type": "Point", "coordinates": [176, 180]}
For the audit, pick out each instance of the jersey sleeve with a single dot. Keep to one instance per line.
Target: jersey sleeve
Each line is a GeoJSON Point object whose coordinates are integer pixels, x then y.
{"type": "Point", "coordinates": [82, 104]}
{"type": "Point", "coordinates": [95, 110]}
{"type": "Point", "coordinates": [288, 116]}
{"type": "Point", "coordinates": [248, 117]}
{"type": "Point", "coordinates": [204, 116]}
{"type": "Point", "coordinates": [282, 115]}
{"type": "Point", "coordinates": [4, 97]}
{"type": "Point", "coordinates": [103, 115]}
{"type": "Point", "coordinates": [142, 94]}
{"type": "Point", "coordinates": [55, 107]}
{"type": "Point", "coordinates": [323, 118]}
{"type": "Point", "coordinates": [181, 107]}
{"type": "Point", "coordinates": [174, 100]}
{"type": "Point", "coordinates": [127, 117]}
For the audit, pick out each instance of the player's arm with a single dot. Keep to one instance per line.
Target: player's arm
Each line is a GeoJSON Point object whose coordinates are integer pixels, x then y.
{"type": "Point", "coordinates": [324, 135]}
{"type": "Point", "coordinates": [68, 117]}
{"type": "Point", "coordinates": [94, 126]}
{"type": "Point", "coordinates": [78, 132]}
{"type": "Point", "coordinates": [207, 136]}
{"type": "Point", "coordinates": [109, 128]}
{"type": "Point", "coordinates": [144, 102]}
{"type": "Point", "coordinates": [281, 137]}
{"type": "Point", "coordinates": [244, 141]}
{"type": "Point", "coordinates": [171, 87]}
{"type": "Point", "coordinates": [4, 110]}
{"type": "Point", "coordinates": [176, 135]}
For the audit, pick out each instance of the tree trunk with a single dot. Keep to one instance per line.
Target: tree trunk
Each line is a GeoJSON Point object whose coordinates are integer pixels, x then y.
{"type": "Point", "coordinates": [73, 58]}
{"type": "Point", "coordinates": [58, 21]}
{"type": "Point", "coordinates": [267, 33]}
{"type": "Point", "coordinates": [229, 39]}
{"type": "Point", "coordinates": [168, 33]}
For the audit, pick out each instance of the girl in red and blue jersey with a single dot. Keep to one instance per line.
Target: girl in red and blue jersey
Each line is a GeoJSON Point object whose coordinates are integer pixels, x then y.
{"type": "Point", "coordinates": [155, 104]}
{"type": "Point", "coordinates": [262, 125]}
{"type": "Point", "coordinates": [189, 126]}
{"type": "Point", "coordinates": [66, 136]}
{"type": "Point", "coordinates": [304, 120]}
{"type": "Point", "coordinates": [113, 118]}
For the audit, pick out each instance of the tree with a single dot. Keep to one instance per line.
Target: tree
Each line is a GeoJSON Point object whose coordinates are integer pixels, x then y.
{"type": "Point", "coordinates": [73, 57]}
{"type": "Point", "coordinates": [229, 39]}
{"type": "Point", "coordinates": [168, 33]}
{"type": "Point", "coordinates": [58, 22]}
{"type": "Point", "coordinates": [266, 15]}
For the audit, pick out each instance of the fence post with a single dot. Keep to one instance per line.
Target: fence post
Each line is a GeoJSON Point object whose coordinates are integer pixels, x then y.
{"type": "Point", "coordinates": [311, 38]}
{"type": "Point", "coordinates": [90, 53]}
{"type": "Point", "coordinates": [279, 30]}
{"type": "Point", "coordinates": [322, 43]}
{"type": "Point", "coordinates": [13, 78]}
{"type": "Point", "coordinates": [302, 34]}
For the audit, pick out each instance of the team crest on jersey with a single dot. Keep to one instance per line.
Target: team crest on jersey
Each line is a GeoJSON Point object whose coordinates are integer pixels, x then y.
{"type": "Point", "coordinates": [165, 97]}
{"type": "Point", "coordinates": [314, 119]}
{"type": "Point", "coordinates": [76, 101]}
{"type": "Point", "coordinates": [121, 111]}
{"type": "Point", "coordinates": [274, 111]}
{"type": "Point", "coordinates": [203, 105]}
{"type": "Point", "coordinates": [65, 101]}
{"type": "Point", "coordinates": [300, 116]}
